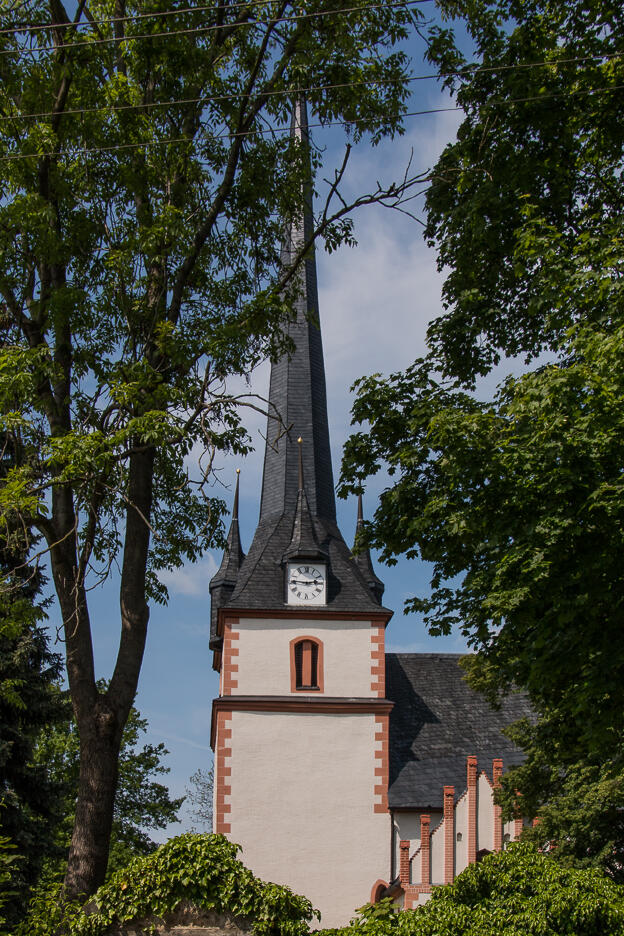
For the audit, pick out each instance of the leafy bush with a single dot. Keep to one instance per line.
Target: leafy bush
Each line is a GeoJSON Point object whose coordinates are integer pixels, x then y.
{"type": "Point", "coordinates": [517, 892]}
{"type": "Point", "coordinates": [201, 870]}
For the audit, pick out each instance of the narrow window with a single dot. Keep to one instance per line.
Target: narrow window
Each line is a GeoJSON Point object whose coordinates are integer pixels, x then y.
{"type": "Point", "coordinates": [306, 665]}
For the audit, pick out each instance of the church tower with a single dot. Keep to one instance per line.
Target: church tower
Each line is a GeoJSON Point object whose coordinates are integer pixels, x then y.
{"type": "Point", "coordinates": [300, 727]}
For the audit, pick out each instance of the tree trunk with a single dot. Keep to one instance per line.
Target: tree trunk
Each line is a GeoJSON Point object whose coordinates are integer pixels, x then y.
{"type": "Point", "coordinates": [88, 855]}
{"type": "Point", "coordinates": [101, 717]}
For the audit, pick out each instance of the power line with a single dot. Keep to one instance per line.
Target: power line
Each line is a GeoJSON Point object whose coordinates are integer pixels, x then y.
{"type": "Point", "coordinates": [473, 70]}
{"type": "Point", "coordinates": [37, 27]}
{"type": "Point", "coordinates": [209, 28]}
{"type": "Point", "coordinates": [275, 130]}
{"type": "Point", "coordinates": [218, 136]}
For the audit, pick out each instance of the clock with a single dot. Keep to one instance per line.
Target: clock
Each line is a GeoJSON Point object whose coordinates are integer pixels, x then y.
{"type": "Point", "coordinates": [306, 583]}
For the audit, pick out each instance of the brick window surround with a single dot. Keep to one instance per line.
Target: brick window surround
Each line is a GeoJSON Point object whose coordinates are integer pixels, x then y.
{"type": "Point", "coordinates": [305, 652]}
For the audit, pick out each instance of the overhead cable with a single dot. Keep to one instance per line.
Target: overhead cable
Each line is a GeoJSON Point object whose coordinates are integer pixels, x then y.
{"type": "Point", "coordinates": [77, 151]}
{"type": "Point", "coordinates": [157, 13]}
{"type": "Point", "coordinates": [312, 89]}
{"type": "Point", "coordinates": [19, 53]}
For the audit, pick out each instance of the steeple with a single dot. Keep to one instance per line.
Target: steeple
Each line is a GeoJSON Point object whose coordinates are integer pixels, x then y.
{"type": "Point", "coordinates": [298, 508]}
{"type": "Point", "coordinates": [363, 559]}
{"type": "Point", "coordinates": [297, 394]}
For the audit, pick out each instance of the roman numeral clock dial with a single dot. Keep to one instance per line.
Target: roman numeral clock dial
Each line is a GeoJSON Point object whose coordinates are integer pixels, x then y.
{"type": "Point", "coordinates": [306, 583]}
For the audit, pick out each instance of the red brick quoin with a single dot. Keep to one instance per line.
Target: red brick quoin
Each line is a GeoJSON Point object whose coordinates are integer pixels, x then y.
{"type": "Point", "coordinates": [382, 742]}
{"type": "Point", "coordinates": [229, 672]}
{"type": "Point", "coordinates": [378, 660]}
{"type": "Point", "coordinates": [223, 754]}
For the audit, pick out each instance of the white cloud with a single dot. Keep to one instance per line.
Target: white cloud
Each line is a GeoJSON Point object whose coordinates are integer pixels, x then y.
{"type": "Point", "coordinates": [191, 579]}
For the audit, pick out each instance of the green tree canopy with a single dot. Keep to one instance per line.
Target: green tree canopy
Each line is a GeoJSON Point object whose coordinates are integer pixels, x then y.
{"type": "Point", "coordinates": [526, 206]}
{"type": "Point", "coordinates": [146, 180]}
{"type": "Point", "coordinates": [517, 502]}
{"type": "Point", "coordinates": [28, 701]}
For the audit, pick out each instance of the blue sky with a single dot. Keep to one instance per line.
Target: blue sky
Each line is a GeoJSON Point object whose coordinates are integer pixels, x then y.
{"type": "Point", "coordinates": [375, 303]}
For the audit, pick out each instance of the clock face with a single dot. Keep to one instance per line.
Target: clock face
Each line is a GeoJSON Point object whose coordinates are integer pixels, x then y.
{"type": "Point", "coordinates": [306, 583]}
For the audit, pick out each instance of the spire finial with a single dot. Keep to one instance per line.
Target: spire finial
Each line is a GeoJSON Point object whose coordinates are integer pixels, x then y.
{"type": "Point", "coordinates": [300, 445]}
{"type": "Point", "coordinates": [360, 514]}
{"type": "Point", "coordinates": [235, 505]}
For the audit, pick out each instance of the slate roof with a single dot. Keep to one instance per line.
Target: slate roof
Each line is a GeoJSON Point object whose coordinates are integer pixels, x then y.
{"type": "Point", "coordinates": [261, 579]}
{"type": "Point", "coordinates": [436, 722]}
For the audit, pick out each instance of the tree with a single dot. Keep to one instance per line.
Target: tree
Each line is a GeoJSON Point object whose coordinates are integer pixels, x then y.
{"type": "Point", "coordinates": [525, 207]}
{"type": "Point", "coordinates": [146, 184]}
{"type": "Point", "coordinates": [141, 801]}
{"type": "Point", "coordinates": [580, 803]}
{"type": "Point", "coordinates": [518, 502]}
{"type": "Point", "coordinates": [28, 673]}
{"type": "Point", "coordinates": [200, 798]}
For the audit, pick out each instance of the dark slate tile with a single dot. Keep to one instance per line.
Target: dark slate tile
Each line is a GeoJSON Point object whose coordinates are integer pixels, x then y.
{"type": "Point", "coordinates": [436, 722]}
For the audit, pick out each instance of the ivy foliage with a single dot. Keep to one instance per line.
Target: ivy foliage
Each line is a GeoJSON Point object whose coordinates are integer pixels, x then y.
{"type": "Point", "coordinates": [200, 870]}
{"type": "Point", "coordinates": [513, 893]}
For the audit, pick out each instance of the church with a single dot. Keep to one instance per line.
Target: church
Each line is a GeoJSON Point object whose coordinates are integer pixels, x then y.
{"type": "Point", "coordinates": [344, 772]}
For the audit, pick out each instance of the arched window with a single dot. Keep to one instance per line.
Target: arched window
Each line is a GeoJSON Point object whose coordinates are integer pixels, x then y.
{"type": "Point", "coordinates": [306, 665]}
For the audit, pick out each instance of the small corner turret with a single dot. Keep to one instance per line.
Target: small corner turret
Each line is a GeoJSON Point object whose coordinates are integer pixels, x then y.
{"type": "Point", "coordinates": [363, 560]}
{"type": "Point", "coordinates": [222, 585]}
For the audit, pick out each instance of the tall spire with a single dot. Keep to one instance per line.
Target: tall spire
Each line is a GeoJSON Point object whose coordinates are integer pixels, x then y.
{"type": "Point", "coordinates": [363, 559]}
{"type": "Point", "coordinates": [297, 393]}
{"type": "Point", "coordinates": [297, 519]}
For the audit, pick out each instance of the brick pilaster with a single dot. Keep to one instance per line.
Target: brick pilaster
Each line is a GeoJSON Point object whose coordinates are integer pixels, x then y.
{"type": "Point", "coordinates": [471, 783]}
{"type": "Point", "coordinates": [449, 834]}
{"type": "Point", "coordinates": [404, 861]}
{"type": "Point", "coordinates": [497, 772]}
{"type": "Point", "coordinates": [425, 849]}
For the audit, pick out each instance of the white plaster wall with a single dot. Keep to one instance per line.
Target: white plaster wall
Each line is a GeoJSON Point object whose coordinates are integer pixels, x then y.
{"type": "Point", "coordinates": [302, 806]}
{"type": "Point", "coordinates": [461, 827]}
{"type": "Point", "coordinates": [508, 829]}
{"type": "Point", "coordinates": [437, 853]}
{"type": "Point", "coordinates": [406, 826]}
{"type": "Point", "coordinates": [264, 655]}
{"type": "Point", "coordinates": [485, 814]}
